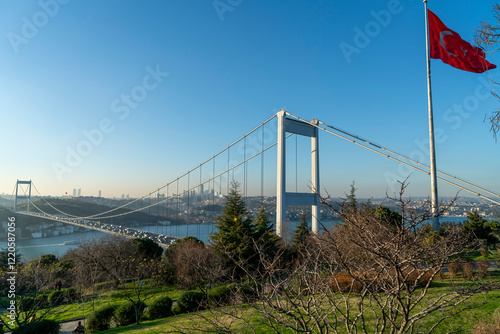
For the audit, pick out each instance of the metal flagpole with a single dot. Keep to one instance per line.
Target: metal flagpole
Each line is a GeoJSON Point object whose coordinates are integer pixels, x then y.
{"type": "Point", "coordinates": [434, 192]}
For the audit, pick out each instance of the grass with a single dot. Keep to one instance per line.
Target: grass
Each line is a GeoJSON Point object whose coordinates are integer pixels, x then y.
{"type": "Point", "coordinates": [469, 318]}
{"type": "Point", "coordinates": [111, 296]}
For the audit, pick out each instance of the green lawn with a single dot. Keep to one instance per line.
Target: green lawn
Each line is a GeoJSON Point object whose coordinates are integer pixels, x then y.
{"type": "Point", "coordinates": [183, 322]}
{"type": "Point", "coordinates": [467, 319]}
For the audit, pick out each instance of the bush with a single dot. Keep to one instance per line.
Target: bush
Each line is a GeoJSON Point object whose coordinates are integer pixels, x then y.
{"type": "Point", "coordinates": [70, 295]}
{"type": "Point", "coordinates": [125, 313]}
{"type": "Point", "coordinates": [482, 267]}
{"type": "Point", "coordinates": [454, 268]}
{"type": "Point", "coordinates": [160, 308]}
{"type": "Point", "coordinates": [191, 301]}
{"type": "Point", "coordinates": [42, 300]}
{"type": "Point", "coordinates": [56, 297]}
{"type": "Point", "coordinates": [26, 304]}
{"type": "Point", "coordinates": [219, 296]}
{"type": "Point", "coordinates": [101, 319]}
{"type": "Point", "coordinates": [247, 291]}
{"type": "Point", "coordinates": [39, 327]}
{"type": "Point", "coordinates": [468, 268]}
{"type": "Point", "coordinates": [345, 282]}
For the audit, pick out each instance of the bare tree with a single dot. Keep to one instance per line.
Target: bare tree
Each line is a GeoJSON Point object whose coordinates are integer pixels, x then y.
{"type": "Point", "coordinates": [100, 260]}
{"type": "Point", "coordinates": [366, 274]}
{"type": "Point", "coordinates": [33, 285]}
{"type": "Point", "coordinates": [196, 263]}
{"type": "Point", "coordinates": [488, 37]}
{"type": "Point", "coordinates": [136, 279]}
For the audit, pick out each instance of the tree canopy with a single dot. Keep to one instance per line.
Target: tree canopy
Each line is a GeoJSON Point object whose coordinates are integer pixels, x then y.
{"type": "Point", "coordinates": [233, 238]}
{"type": "Point", "coordinates": [479, 228]}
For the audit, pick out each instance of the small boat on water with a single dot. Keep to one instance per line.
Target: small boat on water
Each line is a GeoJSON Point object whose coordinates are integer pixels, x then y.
{"type": "Point", "coordinates": [73, 242]}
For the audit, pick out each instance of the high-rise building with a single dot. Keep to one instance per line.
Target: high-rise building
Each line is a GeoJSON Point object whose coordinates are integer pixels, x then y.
{"type": "Point", "coordinates": [74, 192]}
{"type": "Point", "coordinates": [100, 193]}
{"type": "Point", "coordinates": [79, 192]}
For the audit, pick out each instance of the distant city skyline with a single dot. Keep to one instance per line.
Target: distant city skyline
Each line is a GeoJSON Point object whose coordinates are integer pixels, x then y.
{"type": "Point", "coordinates": [111, 98]}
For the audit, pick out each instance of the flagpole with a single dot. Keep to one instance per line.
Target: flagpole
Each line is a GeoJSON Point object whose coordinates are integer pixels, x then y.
{"type": "Point", "coordinates": [434, 192]}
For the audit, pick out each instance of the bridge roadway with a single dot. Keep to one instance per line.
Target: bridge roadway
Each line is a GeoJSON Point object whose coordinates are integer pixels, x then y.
{"type": "Point", "coordinates": [128, 232]}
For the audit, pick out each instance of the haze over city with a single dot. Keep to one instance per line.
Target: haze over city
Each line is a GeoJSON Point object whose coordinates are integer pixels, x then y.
{"type": "Point", "coordinates": [122, 97]}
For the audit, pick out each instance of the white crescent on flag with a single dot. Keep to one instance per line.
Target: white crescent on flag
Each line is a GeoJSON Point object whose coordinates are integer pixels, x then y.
{"type": "Point", "coordinates": [443, 44]}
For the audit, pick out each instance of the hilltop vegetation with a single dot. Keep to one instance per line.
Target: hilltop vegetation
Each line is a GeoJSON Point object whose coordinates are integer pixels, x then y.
{"type": "Point", "coordinates": [378, 270]}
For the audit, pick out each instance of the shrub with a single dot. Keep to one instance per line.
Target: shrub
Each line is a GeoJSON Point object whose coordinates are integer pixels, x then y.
{"type": "Point", "coordinates": [468, 268]}
{"type": "Point", "coordinates": [70, 295]}
{"type": "Point", "coordinates": [160, 308]}
{"type": "Point", "coordinates": [101, 319]}
{"type": "Point", "coordinates": [56, 297]}
{"type": "Point", "coordinates": [42, 300]}
{"type": "Point", "coordinates": [26, 304]}
{"type": "Point", "coordinates": [219, 296]}
{"type": "Point", "coordinates": [454, 268]}
{"type": "Point", "coordinates": [419, 276]}
{"type": "Point", "coordinates": [247, 291]}
{"type": "Point", "coordinates": [125, 313]}
{"type": "Point", "coordinates": [482, 267]}
{"type": "Point", "coordinates": [176, 309]}
{"type": "Point", "coordinates": [39, 327]}
{"type": "Point", "coordinates": [191, 301]}
{"type": "Point", "coordinates": [345, 282]}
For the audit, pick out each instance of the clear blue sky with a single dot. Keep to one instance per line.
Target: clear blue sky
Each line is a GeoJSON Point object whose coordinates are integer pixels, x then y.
{"type": "Point", "coordinates": [220, 68]}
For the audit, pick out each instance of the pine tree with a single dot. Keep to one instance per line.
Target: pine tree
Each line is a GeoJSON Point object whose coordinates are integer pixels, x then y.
{"type": "Point", "coordinates": [352, 202]}
{"type": "Point", "coordinates": [300, 234]}
{"type": "Point", "coordinates": [264, 235]}
{"type": "Point", "coordinates": [233, 239]}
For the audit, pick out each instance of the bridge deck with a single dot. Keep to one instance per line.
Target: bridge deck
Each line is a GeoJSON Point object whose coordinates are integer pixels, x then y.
{"type": "Point", "coordinates": [127, 232]}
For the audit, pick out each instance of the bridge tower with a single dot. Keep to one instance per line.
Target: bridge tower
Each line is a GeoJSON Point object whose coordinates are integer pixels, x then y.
{"type": "Point", "coordinates": [284, 198]}
{"type": "Point", "coordinates": [22, 196]}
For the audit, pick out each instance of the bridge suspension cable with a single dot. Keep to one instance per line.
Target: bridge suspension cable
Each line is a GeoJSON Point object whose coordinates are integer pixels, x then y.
{"type": "Point", "coordinates": [104, 215]}
{"type": "Point", "coordinates": [369, 145]}
{"type": "Point", "coordinates": [176, 198]}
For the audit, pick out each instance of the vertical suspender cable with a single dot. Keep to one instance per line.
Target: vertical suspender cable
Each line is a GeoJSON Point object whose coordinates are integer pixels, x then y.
{"type": "Point", "coordinates": [228, 171]}
{"type": "Point", "coordinates": [213, 188]}
{"type": "Point", "coordinates": [296, 164]}
{"type": "Point", "coordinates": [200, 186]}
{"type": "Point", "coordinates": [245, 167]}
{"type": "Point", "coordinates": [188, 212]}
{"type": "Point", "coordinates": [262, 168]}
{"type": "Point", "coordinates": [177, 218]}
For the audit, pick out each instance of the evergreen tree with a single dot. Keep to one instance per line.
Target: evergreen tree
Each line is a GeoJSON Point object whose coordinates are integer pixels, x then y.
{"type": "Point", "coordinates": [392, 218]}
{"type": "Point", "coordinates": [233, 239]}
{"type": "Point", "coordinates": [301, 233]}
{"type": "Point", "coordinates": [481, 228]}
{"type": "Point", "coordinates": [352, 202]}
{"type": "Point", "coordinates": [263, 232]}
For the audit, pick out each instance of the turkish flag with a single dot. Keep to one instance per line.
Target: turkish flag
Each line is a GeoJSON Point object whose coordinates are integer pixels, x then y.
{"type": "Point", "coordinates": [447, 45]}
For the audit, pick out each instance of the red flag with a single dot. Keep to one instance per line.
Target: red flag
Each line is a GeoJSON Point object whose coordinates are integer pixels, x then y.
{"type": "Point", "coordinates": [447, 45]}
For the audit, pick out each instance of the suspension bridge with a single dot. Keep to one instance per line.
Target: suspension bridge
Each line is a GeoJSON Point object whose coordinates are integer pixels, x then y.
{"type": "Point", "coordinates": [196, 196]}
